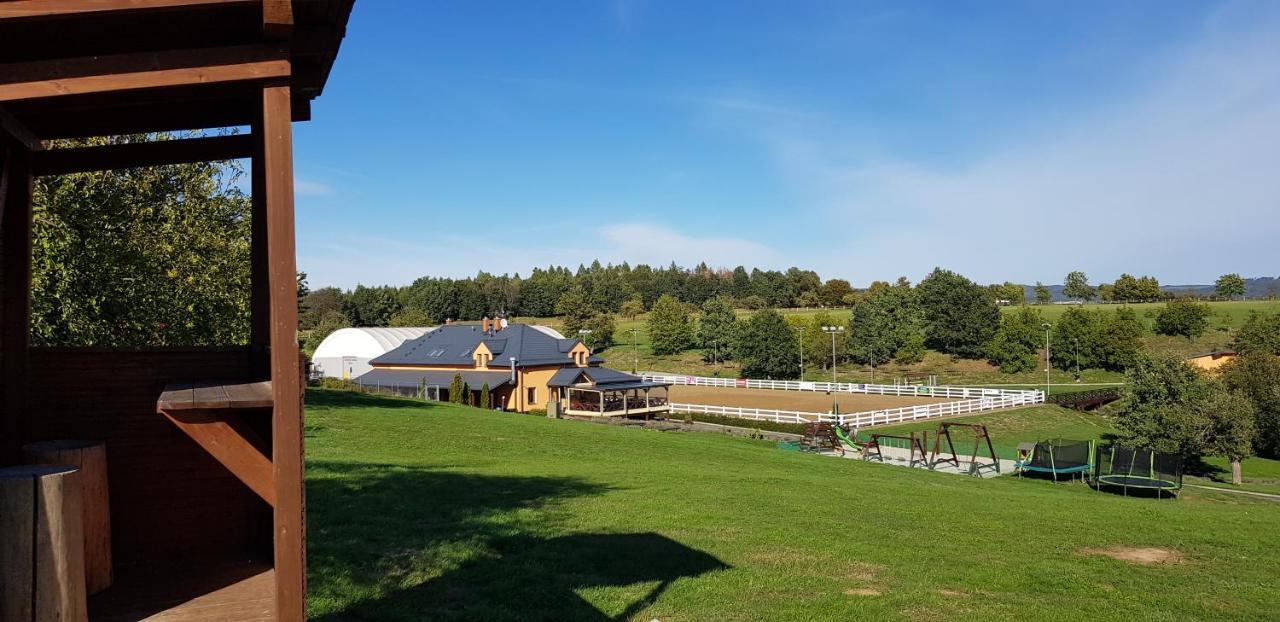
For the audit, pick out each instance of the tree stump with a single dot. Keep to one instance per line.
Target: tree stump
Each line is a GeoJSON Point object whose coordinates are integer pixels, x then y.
{"type": "Point", "coordinates": [91, 458]}
{"type": "Point", "coordinates": [41, 545]}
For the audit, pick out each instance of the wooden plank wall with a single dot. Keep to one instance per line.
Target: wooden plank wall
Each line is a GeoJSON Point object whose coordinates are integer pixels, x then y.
{"type": "Point", "coordinates": [168, 497]}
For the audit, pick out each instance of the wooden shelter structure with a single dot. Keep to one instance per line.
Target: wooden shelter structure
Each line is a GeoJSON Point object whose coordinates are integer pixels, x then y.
{"type": "Point", "coordinates": [204, 444]}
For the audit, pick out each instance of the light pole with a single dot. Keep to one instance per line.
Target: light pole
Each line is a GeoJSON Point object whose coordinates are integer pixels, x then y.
{"type": "Point", "coordinates": [1047, 363]}
{"type": "Point", "coordinates": [715, 353]}
{"type": "Point", "coordinates": [833, 331]}
{"type": "Point", "coordinates": [635, 354]}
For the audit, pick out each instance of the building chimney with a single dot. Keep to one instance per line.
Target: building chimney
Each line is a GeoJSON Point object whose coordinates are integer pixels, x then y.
{"type": "Point", "coordinates": [448, 321]}
{"type": "Point", "coordinates": [484, 324]}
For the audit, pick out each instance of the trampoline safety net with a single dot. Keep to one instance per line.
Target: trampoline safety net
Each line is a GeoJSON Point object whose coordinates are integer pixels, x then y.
{"type": "Point", "coordinates": [1138, 468]}
{"type": "Point", "coordinates": [1060, 455]}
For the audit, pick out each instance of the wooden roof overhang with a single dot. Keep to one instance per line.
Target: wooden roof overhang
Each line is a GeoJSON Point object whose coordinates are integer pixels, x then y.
{"type": "Point", "coordinates": [75, 68]}
{"type": "Point", "coordinates": [82, 68]}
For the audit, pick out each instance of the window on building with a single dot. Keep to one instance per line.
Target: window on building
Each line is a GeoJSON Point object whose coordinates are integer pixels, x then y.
{"type": "Point", "coordinates": [533, 395]}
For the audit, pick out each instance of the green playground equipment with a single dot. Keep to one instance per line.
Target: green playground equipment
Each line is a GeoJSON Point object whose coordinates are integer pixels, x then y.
{"type": "Point", "coordinates": [1058, 457]}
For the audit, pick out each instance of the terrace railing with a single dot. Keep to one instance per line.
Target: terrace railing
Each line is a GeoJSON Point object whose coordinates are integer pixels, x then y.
{"type": "Point", "coordinates": [869, 418]}
{"type": "Point", "coordinates": [903, 390]}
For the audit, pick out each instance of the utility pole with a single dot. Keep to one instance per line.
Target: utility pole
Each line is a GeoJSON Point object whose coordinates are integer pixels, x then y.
{"type": "Point", "coordinates": [800, 342]}
{"type": "Point", "coordinates": [1077, 360]}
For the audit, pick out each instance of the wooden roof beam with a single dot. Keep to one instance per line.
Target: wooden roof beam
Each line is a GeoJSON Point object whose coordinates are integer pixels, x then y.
{"type": "Point", "coordinates": [15, 129]}
{"type": "Point", "coordinates": [131, 155]}
{"type": "Point", "coordinates": [105, 74]}
{"type": "Point", "coordinates": [19, 9]}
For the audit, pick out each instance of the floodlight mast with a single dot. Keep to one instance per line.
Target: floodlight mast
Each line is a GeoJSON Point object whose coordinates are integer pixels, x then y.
{"type": "Point", "coordinates": [833, 331]}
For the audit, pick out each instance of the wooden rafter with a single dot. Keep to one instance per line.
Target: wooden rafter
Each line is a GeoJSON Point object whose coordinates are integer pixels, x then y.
{"type": "Point", "coordinates": [123, 72]}
{"type": "Point", "coordinates": [18, 131]}
{"type": "Point", "coordinates": [130, 155]}
{"type": "Point", "coordinates": [19, 9]}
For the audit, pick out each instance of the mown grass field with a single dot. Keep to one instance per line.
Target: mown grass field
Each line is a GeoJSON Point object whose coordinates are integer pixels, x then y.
{"type": "Point", "coordinates": [1226, 317]}
{"type": "Point", "coordinates": [421, 512]}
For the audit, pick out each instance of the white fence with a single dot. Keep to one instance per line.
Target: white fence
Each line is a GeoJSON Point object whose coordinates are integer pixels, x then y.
{"type": "Point", "coordinates": [906, 390]}
{"type": "Point", "coordinates": [869, 418]}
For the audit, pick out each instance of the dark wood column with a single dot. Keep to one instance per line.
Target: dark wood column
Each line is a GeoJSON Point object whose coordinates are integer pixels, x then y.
{"type": "Point", "coordinates": [15, 296]}
{"type": "Point", "coordinates": [276, 195]}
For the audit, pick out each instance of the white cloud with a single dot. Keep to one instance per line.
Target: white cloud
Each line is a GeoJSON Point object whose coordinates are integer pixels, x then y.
{"type": "Point", "coordinates": [310, 188]}
{"type": "Point", "coordinates": [1177, 179]}
{"type": "Point", "coordinates": [377, 260]}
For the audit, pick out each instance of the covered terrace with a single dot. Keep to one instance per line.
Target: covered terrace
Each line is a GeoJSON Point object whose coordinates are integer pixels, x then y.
{"type": "Point", "coordinates": [603, 392]}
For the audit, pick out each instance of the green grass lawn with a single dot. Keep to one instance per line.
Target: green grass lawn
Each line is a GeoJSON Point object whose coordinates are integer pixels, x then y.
{"type": "Point", "coordinates": [421, 512]}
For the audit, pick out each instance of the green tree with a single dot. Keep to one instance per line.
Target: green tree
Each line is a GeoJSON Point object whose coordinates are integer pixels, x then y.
{"type": "Point", "coordinates": [371, 306]}
{"type": "Point", "coordinates": [809, 299]}
{"type": "Point", "coordinates": [717, 328]}
{"type": "Point", "coordinates": [1229, 286]}
{"type": "Point", "coordinates": [1172, 407]}
{"type": "Point", "coordinates": [457, 390]}
{"type": "Point", "coordinates": [1043, 297]}
{"type": "Point", "coordinates": [484, 397]}
{"type": "Point", "coordinates": [767, 347]}
{"type": "Point", "coordinates": [1016, 343]}
{"type": "Point", "coordinates": [1259, 333]}
{"type": "Point", "coordinates": [601, 329]}
{"type": "Point", "coordinates": [882, 322]}
{"type": "Point", "coordinates": [670, 331]}
{"type": "Point", "coordinates": [960, 316]}
{"type": "Point", "coordinates": [331, 321]}
{"type": "Point", "coordinates": [577, 311]}
{"type": "Point", "coordinates": [1077, 331]}
{"type": "Point", "coordinates": [411, 317]}
{"type": "Point", "coordinates": [1119, 343]}
{"type": "Point", "coordinates": [1183, 317]}
{"type": "Point", "coordinates": [150, 256]}
{"type": "Point", "coordinates": [1076, 285]}
{"type": "Point", "coordinates": [912, 350]}
{"type": "Point", "coordinates": [833, 292]}
{"type": "Point", "coordinates": [631, 308]}
{"type": "Point", "coordinates": [1148, 288]}
{"type": "Point", "coordinates": [753, 302]}
{"type": "Point", "coordinates": [1257, 376]}
{"type": "Point", "coordinates": [316, 304]}
{"type": "Point", "coordinates": [1126, 289]}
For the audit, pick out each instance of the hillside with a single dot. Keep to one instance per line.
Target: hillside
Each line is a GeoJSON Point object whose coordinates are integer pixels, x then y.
{"type": "Point", "coordinates": [432, 511]}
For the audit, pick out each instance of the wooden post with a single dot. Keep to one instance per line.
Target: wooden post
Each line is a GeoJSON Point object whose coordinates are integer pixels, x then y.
{"type": "Point", "coordinates": [15, 299]}
{"type": "Point", "coordinates": [41, 545]}
{"type": "Point", "coordinates": [276, 153]}
{"type": "Point", "coordinates": [91, 458]}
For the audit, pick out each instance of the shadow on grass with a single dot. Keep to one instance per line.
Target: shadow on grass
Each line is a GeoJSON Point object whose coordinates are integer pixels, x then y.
{"type": "Point", "coordinates": [342, 398]}
{"type": "Point", "coordinates": [482, 543]}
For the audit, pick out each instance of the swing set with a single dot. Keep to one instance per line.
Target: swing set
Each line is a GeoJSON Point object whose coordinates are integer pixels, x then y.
{"type": "Point", "coordinates": [979, 436]}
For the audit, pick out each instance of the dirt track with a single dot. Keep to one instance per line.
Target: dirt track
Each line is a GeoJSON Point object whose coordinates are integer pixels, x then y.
{"type": "Point", "coordinates": [810, 401]}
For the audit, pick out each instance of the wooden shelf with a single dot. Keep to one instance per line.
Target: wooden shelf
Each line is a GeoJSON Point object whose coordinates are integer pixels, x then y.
{"type": "Point", "coordinates": [209, 395]}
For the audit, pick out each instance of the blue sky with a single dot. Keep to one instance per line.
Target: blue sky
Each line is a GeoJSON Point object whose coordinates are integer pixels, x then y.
{"type": "Point", "coordinates": [862, 140]}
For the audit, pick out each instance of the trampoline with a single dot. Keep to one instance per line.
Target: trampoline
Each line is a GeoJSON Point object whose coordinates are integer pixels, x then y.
{"type": "Point", "coordinates": [1058, 457]}
{"type": "Point", "coordinates": [1139, 468]}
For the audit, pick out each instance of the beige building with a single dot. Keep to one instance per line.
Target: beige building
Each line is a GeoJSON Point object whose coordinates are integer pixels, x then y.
{"type": "Point", "coordinates": [523, 367]}
{"type": "Point", "coordinates": [1211, 361]}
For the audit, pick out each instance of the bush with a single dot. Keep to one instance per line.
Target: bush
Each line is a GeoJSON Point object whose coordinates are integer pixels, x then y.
{"type": "Point", "coordinates": [1259, 333]}
{"type": "Point", "coordinates": [601, 329]}
{"type": "Point", "coordinates": [1185, 318]}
